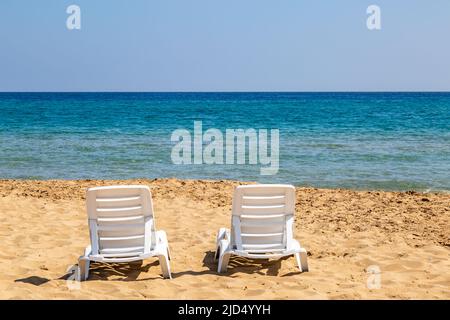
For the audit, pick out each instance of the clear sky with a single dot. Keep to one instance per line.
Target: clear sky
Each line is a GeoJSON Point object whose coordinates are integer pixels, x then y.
{"type": "Point", "coordinates": [227, 45]}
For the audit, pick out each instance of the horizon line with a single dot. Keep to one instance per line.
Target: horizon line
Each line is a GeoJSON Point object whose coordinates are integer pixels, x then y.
{"type": "Point", "coordinates": [239, 91]}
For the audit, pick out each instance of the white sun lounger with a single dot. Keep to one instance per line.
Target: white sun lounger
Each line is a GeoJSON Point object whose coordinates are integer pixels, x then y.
{"type": "Point", "coordinates": [261, 226]}
{"type": "Point", "coordinates": [122, 228]}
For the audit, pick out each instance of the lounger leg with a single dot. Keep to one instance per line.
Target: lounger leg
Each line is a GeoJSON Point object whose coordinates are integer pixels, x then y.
{"type": "Point", "coordinates": [165, 266]}
{"type": "Point", "coordinates": [83, 267]}
{"type": "Point", "coordinates": [221, 235]}
{"type": "Point", "coordinates": [217, 253]}
{"type": "Point", "coordinates": [223, 262]}
{"type": "Point", "coordinates": [168, 254]}
{"type": "Point", "coordinates": [302, 260]}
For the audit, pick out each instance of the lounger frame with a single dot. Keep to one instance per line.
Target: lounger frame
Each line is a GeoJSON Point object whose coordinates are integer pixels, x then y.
{"type": "Point", "coordinates": [261, 226]}
{"type": "Point", "coordinates": [122, 228]}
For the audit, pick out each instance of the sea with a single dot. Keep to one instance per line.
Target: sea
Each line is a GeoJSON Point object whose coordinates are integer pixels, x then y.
{"type": "Point", "coordinates": [355, 140]}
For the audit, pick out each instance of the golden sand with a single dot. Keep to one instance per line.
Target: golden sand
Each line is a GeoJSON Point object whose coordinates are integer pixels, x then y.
{"type": "Point", "coordinates": [43, 230]}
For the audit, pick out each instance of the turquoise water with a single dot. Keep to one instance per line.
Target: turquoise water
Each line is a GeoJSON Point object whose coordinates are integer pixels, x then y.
{"type": "Point", "coordinates": [391, 141]}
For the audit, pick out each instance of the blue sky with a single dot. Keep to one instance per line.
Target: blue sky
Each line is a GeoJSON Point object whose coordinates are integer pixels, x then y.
{"type": "Point", "coordinates": [233, 45]}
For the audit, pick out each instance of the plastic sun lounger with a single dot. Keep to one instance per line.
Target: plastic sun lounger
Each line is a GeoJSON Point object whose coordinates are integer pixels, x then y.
{"type": "Point", "coordinates": [122, 228]}
{"type": "Point", "coordinates": [261, 226]}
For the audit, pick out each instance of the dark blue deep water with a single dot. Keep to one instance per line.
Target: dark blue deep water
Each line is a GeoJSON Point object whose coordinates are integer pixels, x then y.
{"type": "Point", "coordinates": [391, 141]}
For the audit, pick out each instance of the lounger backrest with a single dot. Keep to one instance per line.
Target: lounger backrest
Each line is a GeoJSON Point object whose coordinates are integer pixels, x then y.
{"type": "Point", "coordinates": [121, 220]}
{"type": "Point", "coordinates": [262, 217]}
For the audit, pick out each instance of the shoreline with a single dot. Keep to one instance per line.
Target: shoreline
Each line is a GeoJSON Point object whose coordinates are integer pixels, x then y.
{"type": "Point", "coordinates": [236, 182]}
{"type": "Point", "coordinates": [44, 229]}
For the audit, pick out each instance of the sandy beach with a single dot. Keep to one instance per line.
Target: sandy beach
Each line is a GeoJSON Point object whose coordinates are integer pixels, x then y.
{"type": "Point", "coordinates": [43, 231]}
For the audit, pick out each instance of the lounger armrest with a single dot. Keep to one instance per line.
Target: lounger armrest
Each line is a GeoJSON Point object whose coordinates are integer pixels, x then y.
{"type": "Point", "coordinates": [224, 245]}
{"type": "Point", "coordinates": [162, 244]}
{"type": "Point", "coordinates": [87, 251]}
{"type": "Point", "coordinates": [223, 233]}
{"type": "Point", "coordinates": [294, 245]}
{"type": "Point", "coordinates": [161, 237]}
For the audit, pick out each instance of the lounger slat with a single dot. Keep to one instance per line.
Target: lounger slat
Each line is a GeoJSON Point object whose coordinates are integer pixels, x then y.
{"type": "Point", "coordinates": [275, 230]}
{"type": "Point", "coordinates": [262, 246]}
{"type": "Point", "coordinates": [118, 260]}
{"type": "Point", "coordinates": [140, 236]}
{"type": "Point", "coordinates": [120, 219]}
{"type": "Point", "coordinates": [120, 227]}
{"type": "Point", "coordinates": [113, 210]}
{"type": "Point", "coordinates": [270, 209]}
{"type": "Point", "coordinates": [119, 209]}
{"type": "Point", "coordinates": [263, 200]}
{"type": "Point", "coordinates": [261, 216]}
{"type": "Point", "coordinates": [117, 192]}
{"type": "Point", "coordinates": [264, 197]}
{"type": "Point", "coordinates": [265, 192]}
{"type": "Point", "coordinates": [109, 199]}
{"type": "Point", "coordinates": [122, 255]}
{"type": "Point", "coordinates": [122, 250]}
{"type": "Point", "coordinates": [266, 223]}
{"type": "Point", "coordinates": [265, 250]}
{"type": "Point", "coordinates": [258, 235]}
{"type": "Point", "coordinates": [111, 202]}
